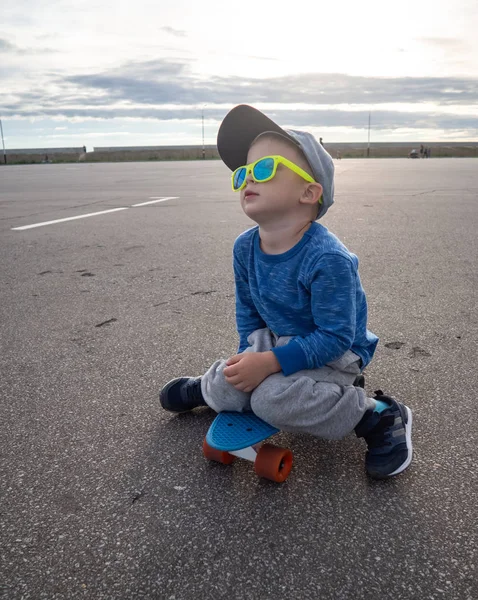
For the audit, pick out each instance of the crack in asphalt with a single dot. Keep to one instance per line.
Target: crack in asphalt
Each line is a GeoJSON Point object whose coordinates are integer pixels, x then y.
{"type": "Point", "coordinates": [106, 322]}
{"type": "Point", "coordinates": [202, 293]}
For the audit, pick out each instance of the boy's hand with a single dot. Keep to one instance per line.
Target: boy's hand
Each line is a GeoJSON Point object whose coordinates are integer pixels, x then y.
{"type": "Point", "coordinates": [247, 370]}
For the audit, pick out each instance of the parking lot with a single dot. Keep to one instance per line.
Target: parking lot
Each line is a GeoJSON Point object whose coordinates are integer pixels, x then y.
{"type": "Point", "coordinates": [105, 495]}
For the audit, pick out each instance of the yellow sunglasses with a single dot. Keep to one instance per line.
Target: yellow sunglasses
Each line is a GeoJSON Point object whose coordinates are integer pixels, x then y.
{"type": "Point", "coordinates": [263, 170]}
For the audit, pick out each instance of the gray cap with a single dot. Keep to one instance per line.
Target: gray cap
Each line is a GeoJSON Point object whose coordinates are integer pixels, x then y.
{"type": "Point", "coordinates": [244, 123]}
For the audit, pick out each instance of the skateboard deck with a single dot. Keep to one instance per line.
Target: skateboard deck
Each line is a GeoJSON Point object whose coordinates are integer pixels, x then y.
{"type": "Point", "coordinates": [235, 434]}
{"type": "Point", "coordinates": [235, 430]}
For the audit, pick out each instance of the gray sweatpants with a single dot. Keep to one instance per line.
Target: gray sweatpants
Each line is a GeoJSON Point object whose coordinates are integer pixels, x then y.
{"type": "Point", "coordinates": [322, 402]}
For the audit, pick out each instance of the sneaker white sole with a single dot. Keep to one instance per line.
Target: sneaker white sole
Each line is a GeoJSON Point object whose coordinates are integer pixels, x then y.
{"type": "Point", "coordinates": [408, 437]}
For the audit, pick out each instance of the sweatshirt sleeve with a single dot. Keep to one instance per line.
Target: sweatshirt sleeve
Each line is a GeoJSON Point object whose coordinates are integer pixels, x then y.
{"type": "Point", "coordinates": [333, 300]}
{"type": "Point", "coordinates": [247, 317]}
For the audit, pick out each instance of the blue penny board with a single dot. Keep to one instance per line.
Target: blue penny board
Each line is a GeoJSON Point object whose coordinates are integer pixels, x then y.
{"type": "Point", "coordinates": [235, 430]}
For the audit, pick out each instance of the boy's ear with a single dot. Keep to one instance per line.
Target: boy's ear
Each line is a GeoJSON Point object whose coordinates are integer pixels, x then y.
{"type": "Point", "coordinates": [312, 193]}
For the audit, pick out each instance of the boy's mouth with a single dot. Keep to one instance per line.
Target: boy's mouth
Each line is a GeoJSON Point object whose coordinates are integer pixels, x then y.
{"type": "Point", "coordinates": [249, 193]}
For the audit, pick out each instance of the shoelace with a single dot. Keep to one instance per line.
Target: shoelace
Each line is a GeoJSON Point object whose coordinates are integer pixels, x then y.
{"type": "Point", "coordinates": [381, 435]}
{"type": "Point", "coordinates": [193, 390]}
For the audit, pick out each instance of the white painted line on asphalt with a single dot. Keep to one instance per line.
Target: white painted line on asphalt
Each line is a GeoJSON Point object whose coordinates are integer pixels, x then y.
{"type": "Point", "coordinates": [103, 212]}
{"type": "Point", "coordinates": [156, 199]}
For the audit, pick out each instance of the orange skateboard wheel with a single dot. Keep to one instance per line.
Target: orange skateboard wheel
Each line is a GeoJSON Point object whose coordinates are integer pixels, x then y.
{"type": "Point", "coordinates": [273, 463]}
{"type": "Point", "coordinates": [219, 456]}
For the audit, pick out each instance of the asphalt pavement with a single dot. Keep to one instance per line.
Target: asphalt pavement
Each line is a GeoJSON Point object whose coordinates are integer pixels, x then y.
{"type": "Point", "coordinates": [106, 496]}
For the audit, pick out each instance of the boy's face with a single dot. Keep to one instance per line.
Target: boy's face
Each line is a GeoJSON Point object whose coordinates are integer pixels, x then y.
{"type": "Point", "coordinates": [278, 198]}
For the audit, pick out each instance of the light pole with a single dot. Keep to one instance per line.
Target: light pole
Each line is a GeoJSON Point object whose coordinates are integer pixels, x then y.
{"type": "Point", "coordinates": [368, 145]}
{"type": "Point", "coordinates": [202, 120]}
{"type": "Point", "coordinates": [3, 143]}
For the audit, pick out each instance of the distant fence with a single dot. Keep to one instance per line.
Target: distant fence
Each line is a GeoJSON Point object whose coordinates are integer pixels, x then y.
{"type": "Point", "coordinates": [147, 153]}
{"type": "Point", "coordinates": [28, 156]}
{"type": "Point", "coordinates": [43, 151]}
{"type": "Point", "coordinates": [162, 153]}
{"type": "Point", "coordinates": [402, 150]}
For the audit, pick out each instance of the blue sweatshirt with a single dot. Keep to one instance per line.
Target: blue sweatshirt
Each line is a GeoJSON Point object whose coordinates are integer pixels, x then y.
{"type": "Point", "coordinates": [312, 292]}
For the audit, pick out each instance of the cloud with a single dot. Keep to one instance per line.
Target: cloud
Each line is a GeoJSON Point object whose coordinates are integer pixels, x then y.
{"type": "Point", "coordinates": [163, 81]}
{"type": "Point", "coordinates": [140, 89]}
{"type": "Point", "coordinates": [301, 119]}
{"type": "Point", "coordinates": [7, 47]}
{"type": "Point", "coordinates": [172, 31]}
{"type": "Point", "coordinates": [454, 45]}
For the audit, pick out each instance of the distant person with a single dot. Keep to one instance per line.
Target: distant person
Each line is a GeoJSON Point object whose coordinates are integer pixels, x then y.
{"type": "Point", "coordinates": [84, 149]}
{"type": "Point", "coordinates": [338, 155]}
{"type": "Point", "coordinates": [425, 153]}
{"type": "Point", "coordinates": [321, 142]}
{"type": "Point", "coordinates": [421, 151]}
{"type": "Point", "coordinates": [301, 311]}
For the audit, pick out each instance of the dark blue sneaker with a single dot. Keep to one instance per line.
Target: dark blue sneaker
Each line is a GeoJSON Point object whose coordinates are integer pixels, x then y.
{"type": "Point", "coordinates": [182, 394]}
{"type": "Point", "coordinates": [389, 438]}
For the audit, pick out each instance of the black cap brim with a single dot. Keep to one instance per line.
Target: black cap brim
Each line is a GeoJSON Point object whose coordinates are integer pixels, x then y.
{"type": "Point", "coordinates": [239, 129]}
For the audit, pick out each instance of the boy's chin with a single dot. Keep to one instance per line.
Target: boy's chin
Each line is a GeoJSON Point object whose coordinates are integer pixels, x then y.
{"type": "Point", "coordinates": [253, 212]}
{"type": "Point", "coordinates": [257, 212]}
{"type": "Point", "coordinates": [262, 217]}
{"type": "Point", "coordinates": [258, 216]}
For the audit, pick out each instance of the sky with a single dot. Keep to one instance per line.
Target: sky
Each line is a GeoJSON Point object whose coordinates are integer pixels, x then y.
{"type": "Point", "coordinates": [145, 73]}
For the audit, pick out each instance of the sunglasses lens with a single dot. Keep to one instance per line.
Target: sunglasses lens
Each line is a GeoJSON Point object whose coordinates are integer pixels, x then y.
{"type": "Point", "coordinates": [238, 177]}
{"type": "Point", "coordinates": [264, 169]}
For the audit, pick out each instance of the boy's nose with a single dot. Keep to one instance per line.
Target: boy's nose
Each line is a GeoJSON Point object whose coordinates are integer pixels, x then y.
{"type": "Point", "coordinates": [249, 177]}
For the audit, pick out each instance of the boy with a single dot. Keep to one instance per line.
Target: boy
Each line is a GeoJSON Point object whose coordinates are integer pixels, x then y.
{"type": "Point", "coordinates": [301, 310]}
